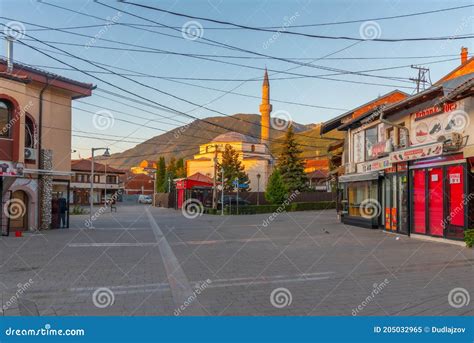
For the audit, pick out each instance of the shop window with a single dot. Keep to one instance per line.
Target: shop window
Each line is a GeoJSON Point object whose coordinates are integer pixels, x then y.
{"type": "Point", "coordinates": [5, 116]}
{"type": "Point", "coordinates": [359, 193]}
{"type": "Point", "coordinates": [371, 138]}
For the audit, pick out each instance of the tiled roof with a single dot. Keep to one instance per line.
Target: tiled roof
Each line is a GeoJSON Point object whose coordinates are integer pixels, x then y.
{"type": "Point", "coordinates": [85, 166]}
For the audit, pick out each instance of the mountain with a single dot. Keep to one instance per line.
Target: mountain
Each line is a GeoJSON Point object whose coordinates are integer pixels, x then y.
{"type": "Point", "coordinates": [184, 141]}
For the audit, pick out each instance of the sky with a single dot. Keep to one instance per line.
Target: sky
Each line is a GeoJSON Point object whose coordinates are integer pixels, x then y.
{"type": "Point", "coordinates": [119, 126]}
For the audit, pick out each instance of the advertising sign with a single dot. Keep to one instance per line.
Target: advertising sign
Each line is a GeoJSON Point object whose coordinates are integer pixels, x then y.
{"type": "Point", "coordinates": [8, 168]}
{"type": "Point", "coordinates": [430, 123]}
{"type": "Point", "coordinates": [417, 153]}
{"type": "Point", "coordinates": [379, 164]}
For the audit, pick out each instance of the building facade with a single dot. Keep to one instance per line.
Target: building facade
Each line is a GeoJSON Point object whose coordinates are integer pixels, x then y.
{"type": "Point", "coordinates": [408, 166]}
{"type": "Point", "coordinates": [107, 182]}
{"type": "Point", "coordinates": [35, 145]}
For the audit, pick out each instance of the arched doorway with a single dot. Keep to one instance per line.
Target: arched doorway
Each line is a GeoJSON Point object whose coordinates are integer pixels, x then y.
{"type": "Point", "coordinates": [18, 211]}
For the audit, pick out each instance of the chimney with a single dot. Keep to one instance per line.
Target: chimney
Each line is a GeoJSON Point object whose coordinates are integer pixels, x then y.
{"type": "Point", "coordinates": [463, 55]}
{"type": "Point", "coordinates": [9, 43]}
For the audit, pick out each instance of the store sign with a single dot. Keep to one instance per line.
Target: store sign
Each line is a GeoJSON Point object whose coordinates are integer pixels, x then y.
{"type": "Point", "coordinates": [8, 168]}
{"type": "Point", "coordinates": [434, 110]}
{"type": "Point", "coordinates": [374, 165]}
{"type": "Point", "coordinates": [416, 153]}
{"type": "Point", "coordinates": [454, 178]}
{"type": "Point", "coordinates": [430, 123]}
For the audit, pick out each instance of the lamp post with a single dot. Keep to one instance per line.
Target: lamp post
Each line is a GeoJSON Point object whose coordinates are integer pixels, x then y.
{"type": "Point", "coordinates": [91, 195]}
{"type": "Point", "coordinates": [258, 188]}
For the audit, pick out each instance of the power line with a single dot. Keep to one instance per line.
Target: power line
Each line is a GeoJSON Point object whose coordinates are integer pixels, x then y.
{"type": "Point", "coordinates": [387, 40]}
{"type": "Point", "coordinates": [137, 95]}
{"type": "Point", "coordinates": [289, 26]}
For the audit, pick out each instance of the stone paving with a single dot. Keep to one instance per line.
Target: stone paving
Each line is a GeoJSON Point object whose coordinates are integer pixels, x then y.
{"type": "Point", "coordinates": [153, 261]}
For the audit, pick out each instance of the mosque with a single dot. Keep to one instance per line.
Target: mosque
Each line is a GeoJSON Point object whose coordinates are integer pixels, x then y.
{"type": "Point", "coordinates": [254, 154]}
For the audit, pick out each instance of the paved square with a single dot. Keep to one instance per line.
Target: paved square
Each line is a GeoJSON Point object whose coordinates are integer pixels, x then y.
{"type": "Point", "coordinates": [151, 261]}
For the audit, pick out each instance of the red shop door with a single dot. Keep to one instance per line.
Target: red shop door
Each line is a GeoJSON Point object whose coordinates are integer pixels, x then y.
{"type": "Point", "coordinates": [435, 201]}
{"type": "Point", "coordinates": [456, 205]}
{"type": "Point", "coordinates": [419, 201]}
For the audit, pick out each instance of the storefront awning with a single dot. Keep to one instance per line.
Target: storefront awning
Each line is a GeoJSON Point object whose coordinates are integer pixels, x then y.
{"type": "Point", "coordinates": [359, 177]}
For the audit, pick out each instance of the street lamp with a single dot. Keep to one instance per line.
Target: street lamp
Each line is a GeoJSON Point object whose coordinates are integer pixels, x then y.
{"type": "Point", "coordinates": [258, 188]}
{"type": "Point", "coordinates": [91, 195]}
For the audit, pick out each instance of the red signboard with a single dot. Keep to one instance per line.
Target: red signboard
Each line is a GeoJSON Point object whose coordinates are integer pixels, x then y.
{"type": "Point", "coordinates": [433, 110]}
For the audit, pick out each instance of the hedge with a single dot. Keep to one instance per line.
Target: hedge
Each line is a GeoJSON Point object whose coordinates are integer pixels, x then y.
{"type": "Point", "coordinates": [293, 207]}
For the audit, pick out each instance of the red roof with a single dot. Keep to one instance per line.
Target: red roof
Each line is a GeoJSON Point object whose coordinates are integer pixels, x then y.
{"type": "Point", "coordinates": [200, 178]}
{"type": "Point", "coordinates": [318, 174]}
{"type": "Point", "coordinates": [25, 73]}
{"type": "Point", "coordinates": [85, 166]}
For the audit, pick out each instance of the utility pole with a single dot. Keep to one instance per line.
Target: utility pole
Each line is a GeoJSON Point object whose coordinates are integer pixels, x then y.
{"type": "Point", "coordinates": [423, 78]}
{"type": "Point", "coordinates": [214, 189]}
{"type": "Point", "coordinates": [169, 184]}
{"type": "Point", "coordinates": [237, 198]}
{"type": "Point", "coordinates": [222, 191]}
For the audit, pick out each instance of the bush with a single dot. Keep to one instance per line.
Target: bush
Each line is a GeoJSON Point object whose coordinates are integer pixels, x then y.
{"type": "Point", "coordinates": [78, 210]}
{"type": "Point", "coordinates": [469, 237]}
{"type": "Point", "coordinates": [293, 207]}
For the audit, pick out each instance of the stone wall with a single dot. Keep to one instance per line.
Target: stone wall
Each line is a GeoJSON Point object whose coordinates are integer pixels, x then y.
{"type": "Point", "coordinates": [46, 189]}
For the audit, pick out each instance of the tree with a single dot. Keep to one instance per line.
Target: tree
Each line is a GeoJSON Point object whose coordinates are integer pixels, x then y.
{"type": "Point", "coordinates": [233, 169]}
{"type": "Point", "coordinates": [290, 164]}
{"type": "Point", "coordinates": [161, 175]}
{"type": "Point", "coordinates": [180, 168]}
{"type": "Point", "coordinates": [276, 191]}
{"type": "Point", "coordinates": [170, 174]}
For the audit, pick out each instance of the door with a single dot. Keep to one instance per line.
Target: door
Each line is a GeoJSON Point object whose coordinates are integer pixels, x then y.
{"type": "Point", "coordinates": [18, 211]}
{"type": "Point", "coordinates": [436, 201]}
{"type": "Point", "coordinates": [456, 219]}
{"type": "Point", "coordinates": [403, 203]}
{"type": "Point", "coordinates": [419, 201]}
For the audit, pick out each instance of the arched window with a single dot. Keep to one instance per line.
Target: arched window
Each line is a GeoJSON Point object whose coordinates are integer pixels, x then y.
{"type": "Point", "coordinates": [252, 148]}
{"type": "Point", "coordinates": [5, 116]}
{"type": "Point", "coordinates": [30, 133]}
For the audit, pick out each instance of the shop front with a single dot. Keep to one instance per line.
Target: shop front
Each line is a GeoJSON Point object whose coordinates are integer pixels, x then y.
{"type": "Point", "coordinates": [440, 197]}
{"type": "Point", "coordinates": [361, 199]}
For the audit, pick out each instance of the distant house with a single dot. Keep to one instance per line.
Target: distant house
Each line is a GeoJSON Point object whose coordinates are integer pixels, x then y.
{"type": "Point", "coordinates": [137, 183]}
{"type": "Point", "coordinates": [107, 181]}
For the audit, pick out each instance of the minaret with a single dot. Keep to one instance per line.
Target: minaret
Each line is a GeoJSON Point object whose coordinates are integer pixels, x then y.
{"type": "Point", "coordinates": [265, 109]}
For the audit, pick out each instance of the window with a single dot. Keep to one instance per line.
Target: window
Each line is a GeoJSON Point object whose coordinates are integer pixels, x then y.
{"type": "Point", "coordinates": [371, 138]}
{"type": "Point", "coordinates": [5, 113]}
{"type": "Point", "coordinates": [96, 178]}
{"type": "Point", "coordinates": [30, 134]}
{"type": "Point", "coordinates": [402, 137]}
{"type": "Point", "coordinates": [252, 148]}
{"type": "Point", "coordinates": [112, 179]}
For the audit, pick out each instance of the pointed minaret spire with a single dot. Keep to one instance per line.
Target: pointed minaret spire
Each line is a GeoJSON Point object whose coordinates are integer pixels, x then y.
{"type": "Point", "coordinates": [265, 110]}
